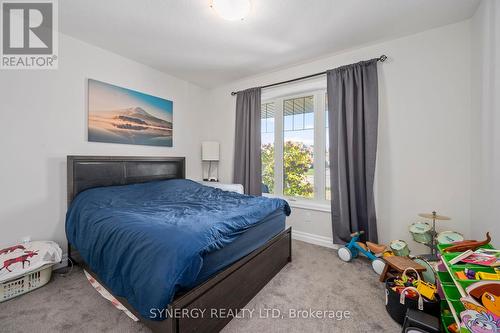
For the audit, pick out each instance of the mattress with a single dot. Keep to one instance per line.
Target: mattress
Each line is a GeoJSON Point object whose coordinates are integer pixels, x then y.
{"type": "Point", "coordinates": [161, 233]}
{"type": "Point", "coordinates": [250, 240]}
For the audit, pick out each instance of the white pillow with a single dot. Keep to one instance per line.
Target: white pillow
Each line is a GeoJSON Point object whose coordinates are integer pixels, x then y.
{"type": "Point", "coordinates": [238, 188]}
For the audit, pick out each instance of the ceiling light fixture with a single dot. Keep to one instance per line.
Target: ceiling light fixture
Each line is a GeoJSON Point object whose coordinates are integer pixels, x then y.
{"type": "Point", "coordinates": [231, 10]}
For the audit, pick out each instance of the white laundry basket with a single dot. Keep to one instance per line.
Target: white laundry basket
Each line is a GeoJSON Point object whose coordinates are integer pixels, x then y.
{"type": "Point", "coordinates": [25, 283]}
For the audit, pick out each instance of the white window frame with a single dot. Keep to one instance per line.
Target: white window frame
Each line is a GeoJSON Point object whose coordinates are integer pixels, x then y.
{"type": "Point", "coordinates": [319, 201]}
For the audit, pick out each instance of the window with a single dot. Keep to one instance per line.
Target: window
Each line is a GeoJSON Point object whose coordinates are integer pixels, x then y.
{"type": "Point", "coordinates": [267, 142]}
{"type": "Point", "coordinates": [292, 142]}
{"type": "Point", "coordinates": [298, 144]}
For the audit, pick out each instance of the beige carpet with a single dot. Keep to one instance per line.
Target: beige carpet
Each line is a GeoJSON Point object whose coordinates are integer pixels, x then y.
{"type": "Point", "coordinates": [315, 280]}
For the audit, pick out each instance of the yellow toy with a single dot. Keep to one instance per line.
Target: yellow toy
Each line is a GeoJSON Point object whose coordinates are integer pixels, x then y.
{"type": "Point", "coordinates": [387, 253]}
{"type": "Point", "coordinates": [488, 276]}
{"type": "Point", "coordinates": [426, 289]}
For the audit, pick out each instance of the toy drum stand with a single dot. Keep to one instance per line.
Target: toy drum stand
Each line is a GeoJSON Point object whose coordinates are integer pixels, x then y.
{"type": "Point", "coordinates": [432, 245]}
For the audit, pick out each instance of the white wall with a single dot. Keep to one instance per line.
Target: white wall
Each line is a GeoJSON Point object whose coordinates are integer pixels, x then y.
{"type": "Point", "coordinates": [44, 118]}
{"type": "Point", "coordinates": [424, 145]}
{"type": "Point", "coordinates": [425, 130]}
{"type": "Point", "coordinates": [486, 120]}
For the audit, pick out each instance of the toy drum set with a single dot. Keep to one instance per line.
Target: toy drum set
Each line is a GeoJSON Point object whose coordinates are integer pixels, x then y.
{"type": "Point", "coordinates": [400, 248]}
{"type": "Point", "coordinates": [424, 233]}
{"type": "Point", "coordinates": [421, 232]}
{"type": "Point", "coordinates": [448, 237]}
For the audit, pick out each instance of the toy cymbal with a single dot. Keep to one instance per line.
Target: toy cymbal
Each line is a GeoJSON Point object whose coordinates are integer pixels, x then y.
{"type": "Point", "coordinates": [434, 216]}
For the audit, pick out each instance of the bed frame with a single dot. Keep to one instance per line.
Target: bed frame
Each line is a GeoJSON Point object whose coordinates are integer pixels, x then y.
{"type": "Point", "coordinates": [230, 289]}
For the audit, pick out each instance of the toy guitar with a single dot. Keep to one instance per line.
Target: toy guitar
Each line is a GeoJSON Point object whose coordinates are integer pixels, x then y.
{"type": "Point", "coordinates": [468, 245]}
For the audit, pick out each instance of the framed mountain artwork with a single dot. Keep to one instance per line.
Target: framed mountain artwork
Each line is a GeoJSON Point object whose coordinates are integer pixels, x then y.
{"type": "Point", "coordinates": [120, 115]}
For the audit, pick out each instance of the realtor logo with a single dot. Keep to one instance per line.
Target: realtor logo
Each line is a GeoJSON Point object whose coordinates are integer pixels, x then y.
{"type": "Point", "coordinates": [29, 34]}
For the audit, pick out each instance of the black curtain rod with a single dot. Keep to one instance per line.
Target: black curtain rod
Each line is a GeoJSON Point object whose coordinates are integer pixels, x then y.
{"type": "Point", "coordinates": [382, 58]}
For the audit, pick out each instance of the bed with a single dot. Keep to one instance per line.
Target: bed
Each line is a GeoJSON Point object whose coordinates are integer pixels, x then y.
{"type": "Point", "coordinates": [238, 257]}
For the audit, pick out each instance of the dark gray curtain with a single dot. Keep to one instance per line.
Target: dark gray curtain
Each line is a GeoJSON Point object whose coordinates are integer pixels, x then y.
{"type": "Point", "coordinates": [247, 163]}
{"type": "Point", "coordinates": [353, 120]}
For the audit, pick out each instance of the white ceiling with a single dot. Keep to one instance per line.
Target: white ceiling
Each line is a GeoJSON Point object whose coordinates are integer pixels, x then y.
{"type": "Point", "coordinates": [185, 38]}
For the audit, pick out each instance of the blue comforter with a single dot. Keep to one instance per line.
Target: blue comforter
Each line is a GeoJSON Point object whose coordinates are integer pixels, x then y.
{"type": "Point", "coordinates": [146, 241]}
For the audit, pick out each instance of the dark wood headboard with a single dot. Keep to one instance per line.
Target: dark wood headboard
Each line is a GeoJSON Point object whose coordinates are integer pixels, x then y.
{"type": "Point", "coordinates": [86, 172]}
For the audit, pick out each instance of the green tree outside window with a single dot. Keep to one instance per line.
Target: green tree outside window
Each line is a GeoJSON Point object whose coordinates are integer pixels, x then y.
{"type": "Point", "coordinates": [297, 162]}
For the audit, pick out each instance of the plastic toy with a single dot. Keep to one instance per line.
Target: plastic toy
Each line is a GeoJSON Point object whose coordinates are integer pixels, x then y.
{"type": "Point", "coordinates": [487, 276]}
{"type": "Point", "coordinates": [400, 248]}
{"type": "Point", "coordinates": [426, 289]}
{"type": "Point", "coordinates": [453, 328]}
{"type": "Point", "coordinates": [388, 253]}
{"type": "Point", "coordinates": [370, 250]}
{"type": "Point", "coordinates": [470, 274]}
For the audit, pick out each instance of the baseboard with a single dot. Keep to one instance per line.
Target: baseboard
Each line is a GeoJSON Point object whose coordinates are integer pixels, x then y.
{"type": "Point", "coordinates": [314, 239]}
{"type": "Point", "coordinates": [63, 263]}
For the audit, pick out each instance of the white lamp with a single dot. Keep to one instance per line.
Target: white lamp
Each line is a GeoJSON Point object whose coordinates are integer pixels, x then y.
{"type": "Point", "coordinates": [210, 153]}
